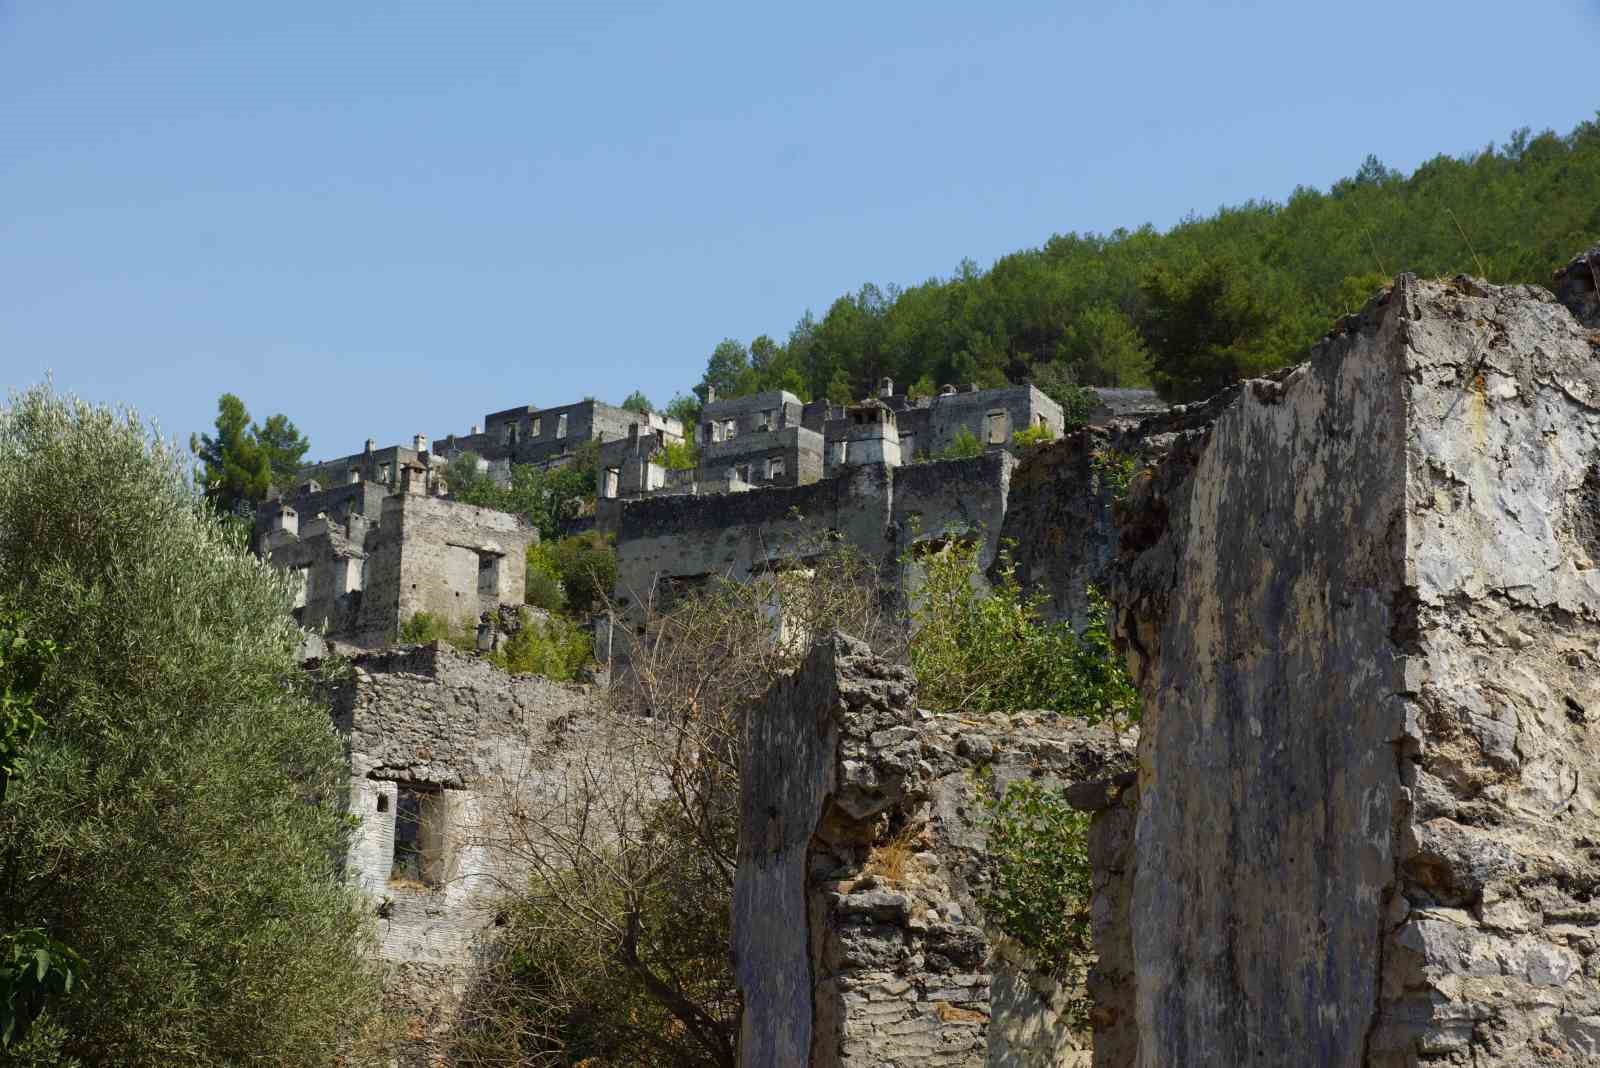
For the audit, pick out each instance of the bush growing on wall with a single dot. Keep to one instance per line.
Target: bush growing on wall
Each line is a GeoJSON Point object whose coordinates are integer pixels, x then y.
{"type": "Point", "coordinates": [1042, 881]}
{"type": "Point", "coordinates": [553, 647]}
{"type": "Point", "coordinates": [174, 820]}
{"type": "Point", "coordinates": [992, 651]}
{"type": "Point", "coordinates": [963, 446]}
{"type": "Point", "coordinates": [1033, 436]}
{"type": "Point", "coordinates": [587, 566]}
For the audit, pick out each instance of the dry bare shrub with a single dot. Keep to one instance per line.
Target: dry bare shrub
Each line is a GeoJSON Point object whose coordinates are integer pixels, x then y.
{"type": "Point", "coordinates": [894, 858]}
{"type": "Point", "coordinates": [616, 951]}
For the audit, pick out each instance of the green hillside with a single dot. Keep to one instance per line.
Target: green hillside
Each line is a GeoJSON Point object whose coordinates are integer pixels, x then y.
{"type": "Point", "coordinates": [1187, 310]}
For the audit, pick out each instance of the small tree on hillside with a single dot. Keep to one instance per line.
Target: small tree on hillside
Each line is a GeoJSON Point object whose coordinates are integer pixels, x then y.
{"type": "Point", "coordinates": [242, 461]}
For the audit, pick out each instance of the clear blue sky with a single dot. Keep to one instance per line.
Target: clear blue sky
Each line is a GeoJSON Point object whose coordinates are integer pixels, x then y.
{"type": "Point", "coordinates": [390, 218]}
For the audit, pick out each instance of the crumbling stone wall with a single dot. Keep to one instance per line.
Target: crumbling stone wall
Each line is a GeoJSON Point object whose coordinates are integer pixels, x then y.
{"type": "Point", "coordinates": [880, 510]}
{"type": "Point", "coordinates": [1363, 606]}
{"type": "Point", "coordinates": [858, 934]}
{"type": "Point", "coordinates": [477, 745]}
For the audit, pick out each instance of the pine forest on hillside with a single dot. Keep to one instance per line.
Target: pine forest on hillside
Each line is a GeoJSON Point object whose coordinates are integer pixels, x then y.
{"type": "Point", "coordinates": [1244, 290]}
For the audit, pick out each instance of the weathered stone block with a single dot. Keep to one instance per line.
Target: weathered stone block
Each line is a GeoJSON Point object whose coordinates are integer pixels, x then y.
{"type": "Point", "coordinates": [1365, 622]}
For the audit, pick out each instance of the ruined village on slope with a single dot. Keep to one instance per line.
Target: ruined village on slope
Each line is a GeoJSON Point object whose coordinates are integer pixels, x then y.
{"type": "Point", "coordinates": [1358, 823]}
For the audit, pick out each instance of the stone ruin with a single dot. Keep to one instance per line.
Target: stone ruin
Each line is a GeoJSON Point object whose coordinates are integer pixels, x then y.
{"type": "Point", "coordinates": [867, 818]}
{"type": "Point", "coordinates": [1361, 600]}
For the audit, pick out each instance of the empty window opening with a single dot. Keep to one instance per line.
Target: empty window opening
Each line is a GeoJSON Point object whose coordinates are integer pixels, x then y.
{"type": "Point", "coordinates": [730, 429]}
{"type": "Point", "coordinates": [766, 419]}
{"type": "Point", "coordinates": [613, 480]}
{"type": "Point", "coordinates": [561, 426]}
{"type": "Point", "coordinates": [536, 426]}
{"type": "Point", "coordinates": [996, 428]}
{"type": "Point", "coordinates": [419, 836]}
{"type": "Point", "coordinates": [383, 802]}
{"type": "Point", "coordinates": [775, 469]}
{"type": "Point", "coordinates": [743, 471]}
{"type": "Point", "coordinates": [489, 574]}
{"type": "Point", "coordinates": [710, 433]}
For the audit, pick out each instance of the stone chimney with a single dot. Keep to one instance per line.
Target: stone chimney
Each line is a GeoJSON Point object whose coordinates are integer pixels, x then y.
{"type": "Point", "coordinates": [420, 443]}
{"type": "Point", "coordinates": [873, 437]}
{"type": "Point", "coordinates": [886, 388]}
{"type": "Point", "coordinates": [711, 394]}
{"type": "Point", "coordinates": [476, 430]}
{"type": "Point", "coordinates": [414, 479]}
{"type": "Point", "coordinates": [371, 445]}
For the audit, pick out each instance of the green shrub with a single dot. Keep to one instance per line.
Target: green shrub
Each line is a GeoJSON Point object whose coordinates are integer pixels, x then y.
{"type": "Point", "coordinates": [994, 652]}
{"type": "Point", "coordinates": [554, 647]}
{"type": "Point", "coordinates": [1057, 381]}
{"type": "Point", "coordinates": [425, 627]}
{"type": "Point", "coordinates": [1116, 470]}
{"type": "Point", "coordinates": [175, 818]}
{"type": "Point", "coordinates": [963, 446]}
{"type": "Point", "coordinates": [680, 455]}
{"type": "Point", "coordinates": [541, 584]}
{"type": "Point", "coordinates": [1033, 436]}
{"type": "Point", "coordinates": [587, 567]}
{"type": "Point", "coordinates": [544, 497]}
{"type": "Point", "coordinates": [464, 477]}
{"type": "Point", "coordinates": [1041, 883]}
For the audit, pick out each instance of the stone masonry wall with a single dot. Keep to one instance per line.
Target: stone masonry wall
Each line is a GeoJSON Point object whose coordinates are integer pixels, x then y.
{"type": "Point", "coordinates": [428, 558]}
{"type": "Point", "coordinates": [1363, 606]}
{"type": "Point", "coordinates": [476, 744]}
{"type": "Point", "coordinates": [867, 819]}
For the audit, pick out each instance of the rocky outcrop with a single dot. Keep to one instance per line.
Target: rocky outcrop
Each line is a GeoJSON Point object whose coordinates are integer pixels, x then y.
{"type": "Point", "coordinates": [1363, 607]}
{"type": "Point", "coordinates": [858, 934]}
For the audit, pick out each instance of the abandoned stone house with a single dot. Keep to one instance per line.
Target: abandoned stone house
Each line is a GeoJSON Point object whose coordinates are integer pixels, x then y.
{"type": "Point", "coordinates": [371, 554]}
{"type": "Point", "coordinates": [773, 439]}
{"type": "Point", "coordinates": [549, 436]}
{"type": "Point", "coordinates": [445, 750]}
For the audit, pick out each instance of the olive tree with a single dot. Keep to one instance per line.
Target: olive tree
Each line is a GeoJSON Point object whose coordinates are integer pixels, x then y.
{"type": "Point", "coordinates": [173, 819]}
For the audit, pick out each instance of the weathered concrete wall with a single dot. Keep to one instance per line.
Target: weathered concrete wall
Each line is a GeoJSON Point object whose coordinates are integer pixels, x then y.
{"type": "Point", "coordinates": [866, 819]}
{"type": "Point", "coordinates": [549, 436]}
{"type": "Point", "coordinates": [750, 414]}
{"type": "Point", "coordinates": [1364, 610]}
{"type": "Point", "coordinates": [1059, 524]}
